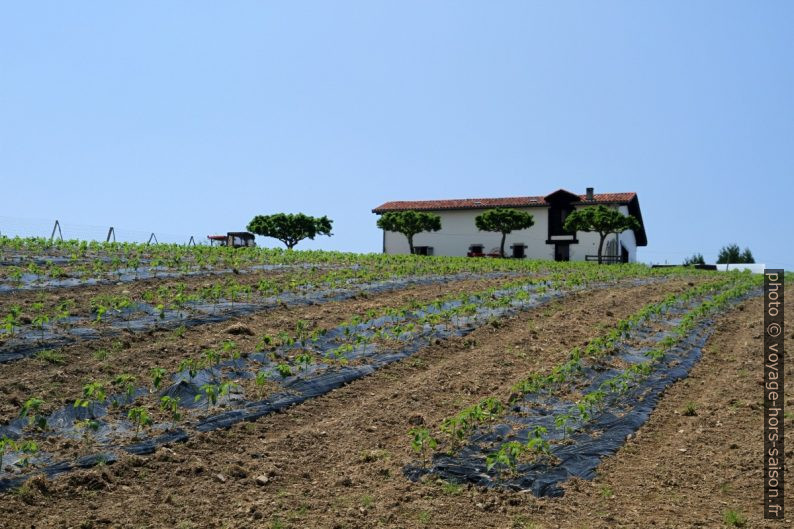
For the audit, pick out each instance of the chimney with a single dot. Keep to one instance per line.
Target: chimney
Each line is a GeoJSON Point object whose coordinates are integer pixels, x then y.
{"type": "Point", "coordinates": [589, 193]}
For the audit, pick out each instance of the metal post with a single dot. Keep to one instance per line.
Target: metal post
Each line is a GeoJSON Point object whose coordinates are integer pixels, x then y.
{"type": "Point", "coordinates": [191, 242]}
{"type": "Point", "coordinates": [152, 236]}
{"type": "Point", "coordinates": [57, 226]}
{"type": "Point", "coordinates": [111, 233]}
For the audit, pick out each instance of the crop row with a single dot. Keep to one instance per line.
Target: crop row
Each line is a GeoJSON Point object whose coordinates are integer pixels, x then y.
{"type": "Point", "coordinates": [546, 420]}
{"type": "Point", "coordinates": [175, 306]}
{"type": "Point", "coordinates": [40, 325]}
{"type": "Point", "coordinates": [288, 369]}
{"type": "Point", "coordinates": [90, 259]}
{"type": "Point", "coordinates": [457, 427]}
{"type": "Point", "coordinates": [73, 263]}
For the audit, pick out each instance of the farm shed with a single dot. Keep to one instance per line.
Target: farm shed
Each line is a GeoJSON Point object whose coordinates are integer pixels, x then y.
{"type": "Point", "coordinates": [236, 239]}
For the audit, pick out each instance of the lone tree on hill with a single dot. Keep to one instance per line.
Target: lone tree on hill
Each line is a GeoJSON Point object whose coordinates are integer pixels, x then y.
{"type": "Point", "coordinates": [409, 223]}
{"type": "Point", "coordinates": [601, 220]}
{"type": "Point", "coordinates": [503, 220]}
{"type": "Point", "coordinates": [732, 254]}
{"type": "Point", "coordinates": [290, 228]}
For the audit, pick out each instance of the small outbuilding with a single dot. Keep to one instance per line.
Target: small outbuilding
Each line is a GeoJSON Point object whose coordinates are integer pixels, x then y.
{"type": "Point", "coordinates": [235, 239]}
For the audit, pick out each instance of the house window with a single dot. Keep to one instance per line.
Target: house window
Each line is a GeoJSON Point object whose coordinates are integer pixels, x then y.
{"type": "Point", "coordinates": [423, 250]}
{"type": "Point", "coordinates": [557, 216]}
{"type": "Point", "coordinates": [519, 250]}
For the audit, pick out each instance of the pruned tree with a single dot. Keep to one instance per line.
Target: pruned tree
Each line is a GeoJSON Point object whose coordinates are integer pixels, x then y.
{"type": "Point", "coordinates": [504, 221]}
{"type": "Point", "coordinates": [409, 223]}
{"type": "Point", "coordinates": [290, 228]}
{"type": "Point", "coordinates": [601, 220]}
{"type": "Point", "coordinates": [732, 254]}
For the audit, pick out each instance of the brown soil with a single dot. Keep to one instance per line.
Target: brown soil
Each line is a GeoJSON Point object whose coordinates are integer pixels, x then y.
{"type": "Point", "coordinates": [336, 461]}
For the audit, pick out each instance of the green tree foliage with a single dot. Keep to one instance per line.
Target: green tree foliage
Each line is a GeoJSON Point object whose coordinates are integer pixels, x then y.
{"type": "Point", "coordinates": [732, 254]}
{"type": "Point", "coordinates": [695, 259]}
{"type": "Point", "coordinates": [601, 220]}
{"type": "Point", "coordinates": [409, 223]}
{"type": "Point", "coordinates": [504, 220]}
{"type": "Point", "coordinates": [290, 228]}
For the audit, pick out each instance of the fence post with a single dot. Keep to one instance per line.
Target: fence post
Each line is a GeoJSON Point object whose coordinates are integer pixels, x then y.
{"type": "Point", "coordinates": [111, 232]}
{"type": "Point", "coordinates": [152, 236]}
{"type": "Point", "coordinates": [57, 226]}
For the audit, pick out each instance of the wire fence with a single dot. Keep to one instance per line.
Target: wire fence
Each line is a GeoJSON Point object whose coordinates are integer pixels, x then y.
{"type": "Point", "coordinates": [59, 229]}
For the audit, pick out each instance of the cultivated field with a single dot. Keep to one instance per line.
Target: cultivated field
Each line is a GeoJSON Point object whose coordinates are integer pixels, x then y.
{"type": "Point", "coordinates": [165, 386]}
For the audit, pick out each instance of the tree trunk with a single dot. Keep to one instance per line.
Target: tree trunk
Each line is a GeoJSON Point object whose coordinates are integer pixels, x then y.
{"type": "Point", "coordinates": [601, 245]}
{"type": "Point", "coordinates": [502, 246]}
{"type": "Point", "coordinates": [411, 243]}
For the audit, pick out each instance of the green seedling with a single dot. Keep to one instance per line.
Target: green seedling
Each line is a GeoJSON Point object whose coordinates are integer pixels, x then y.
{"type": "Point", "coordinates": [126, 383]}
{"type": "Point", "coordinates": [229, 348]}
{"type": "Point", "coordinates": [31, 409]}
{"type": "Point", "coordinates": [157, 374]}
{"type": "Point", "coordinates": [264, 343]}
{"type": "Point", "coordinates": [284, 370]}
{"type": "Point", "coordinates": [40, 319]}
{"type": "Point", "coordinates": [87, 424]}
{"type": "Point", "coordinates": [140, 417]}
{"type": "Point", "coordinates": [304, 359]}
{"type": "Point", "coordinates": [6, 445]}
{"type": "Point", "coordinates": [507, 455]}
{"type": "Point", "coordinates": [28, 448]}
{"type": "Point", "coordinates": [16, 275]}
{"type": "Point", "coordinates": [100, 312]}
{"type": "Point", "coordinates": [226, 388]}
{"type": "Point", "coordinates": [421, 440]}
{"type": "Point", "coordinates": [561, 421]}
{"type": "Point", "coordinates": [461, 424]}
{"type": "Point", "coordinates": [93, 391]}
{"type": "Point", "coordinates": [212, 357]}
{"type": "Point", "coordinates": [191, 365]}
{"type": "Point", "coordinates": [11, 320]}
{"type": "Point", "coordinates": [171, 405]}
{"type": "Point", "coordinates": [536, 443]}
{"type": "Point", "coordinates": [210, 392]}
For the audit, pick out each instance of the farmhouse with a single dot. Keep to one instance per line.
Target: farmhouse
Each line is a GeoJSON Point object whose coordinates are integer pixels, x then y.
{"type": "Point", "coordinates": [545, 240]}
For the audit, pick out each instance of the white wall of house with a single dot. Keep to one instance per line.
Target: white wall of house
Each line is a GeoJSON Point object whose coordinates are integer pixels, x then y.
{"type": "Point", "coordinates": [458, 232]}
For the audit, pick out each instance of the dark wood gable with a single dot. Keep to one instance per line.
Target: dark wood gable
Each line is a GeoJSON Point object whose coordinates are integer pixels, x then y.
{"type": "Point", "coordinates": [561, 204]}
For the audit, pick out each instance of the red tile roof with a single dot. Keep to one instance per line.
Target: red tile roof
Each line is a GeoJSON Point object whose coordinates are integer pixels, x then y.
{"type": "Point", "coordinates": [485, 203]}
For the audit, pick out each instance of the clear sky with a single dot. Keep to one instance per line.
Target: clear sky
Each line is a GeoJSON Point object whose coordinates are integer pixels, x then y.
{"type": "Point", "coordinates": [191, 117]}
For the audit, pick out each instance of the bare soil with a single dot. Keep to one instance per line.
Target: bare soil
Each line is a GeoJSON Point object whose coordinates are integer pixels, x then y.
{"type": "Point", "coordinates": [336, 461]}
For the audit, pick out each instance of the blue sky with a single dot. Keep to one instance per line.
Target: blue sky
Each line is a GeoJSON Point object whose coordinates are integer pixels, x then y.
{"type": "Point", "coordinates": [192, 117]}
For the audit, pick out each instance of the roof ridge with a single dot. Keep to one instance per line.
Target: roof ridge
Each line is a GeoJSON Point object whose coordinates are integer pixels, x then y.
{"type": "Point", "coordinates": [497, 201]}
